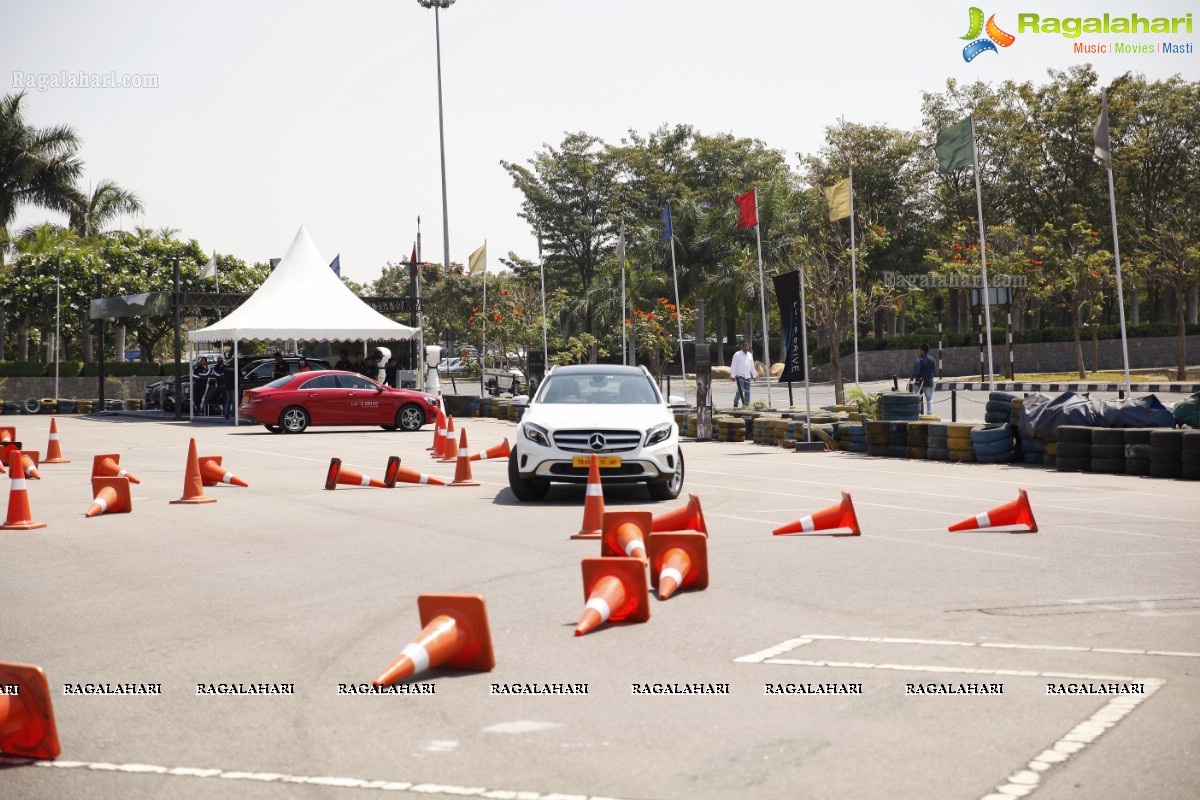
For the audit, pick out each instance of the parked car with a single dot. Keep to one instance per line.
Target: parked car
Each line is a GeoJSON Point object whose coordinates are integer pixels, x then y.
{"type": "Point", "coordinates": [330, 397]}
{"type": "Point", "coordinates": [260, 371]}
{"type": "Point", "coordinates": [614, 412]}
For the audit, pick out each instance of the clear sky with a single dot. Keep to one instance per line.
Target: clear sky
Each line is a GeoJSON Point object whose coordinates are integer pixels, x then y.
{"type": "Point", "coordinates": [268, 114]}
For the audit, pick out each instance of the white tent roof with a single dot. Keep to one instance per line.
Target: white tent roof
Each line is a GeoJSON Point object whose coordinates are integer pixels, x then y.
{"type": "Point", "coordinates": [303, 300]}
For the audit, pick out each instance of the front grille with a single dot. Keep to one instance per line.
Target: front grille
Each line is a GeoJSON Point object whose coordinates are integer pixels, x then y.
{"type": "Point", "coordinates": [627, 469]}
{"type": "Point", "coordinates": [615, 441]}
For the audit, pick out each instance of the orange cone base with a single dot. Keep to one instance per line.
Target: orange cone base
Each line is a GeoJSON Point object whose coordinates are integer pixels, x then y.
{"type": "Point", "coordinates": [688, 518]}
{"type": "Point", "coordinates": [587, 535]}
{"type": "Point", "coordinates": [1017, 512]}
{"type": "Point", "coordinates": [455, 634]}
{"type": "Point", "coordinates": [27, 726]}
{"type": "Point", "coordinates": [634, 602]}
{"type": "Point", "coordinates": [212, 474]}
{"type": "Point", "coordinates": [668, 552]}
{"type": "Point", "coordinates": [617, 538]}
{"type": "Point", "coordinates": [111, 496]}
{"type": "Point", "coordinates": [832, 518]}
{"type": "Point", "coordinates": [110, 464]}
{"type": "Point", "coordinates": [21, 526]}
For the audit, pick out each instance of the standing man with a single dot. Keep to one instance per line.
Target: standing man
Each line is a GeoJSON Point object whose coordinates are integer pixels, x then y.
{"type": "Point", "coordinates": [923, 371]}
{"type": "Point", "coordinates": [741, 369]}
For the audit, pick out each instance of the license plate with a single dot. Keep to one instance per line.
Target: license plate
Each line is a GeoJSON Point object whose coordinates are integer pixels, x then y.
{"type": "Point", "coordinates": [606, 462]}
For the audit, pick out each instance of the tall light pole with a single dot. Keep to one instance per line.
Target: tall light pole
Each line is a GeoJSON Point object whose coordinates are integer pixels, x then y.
{"type": "Point", "coordinates": [437, 5]}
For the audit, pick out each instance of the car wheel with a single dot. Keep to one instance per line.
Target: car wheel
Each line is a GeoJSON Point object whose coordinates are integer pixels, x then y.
{"type": "Point", "coordinates": [525, 489]}
{"type": "Point", "coordinates": [273, 428]}
{"type": "Point", "coordinates": [670, 488]}
{"type": "Point", "coordinates": [294, 419]}
{"type": "Point", "coordinates": [410, 418]}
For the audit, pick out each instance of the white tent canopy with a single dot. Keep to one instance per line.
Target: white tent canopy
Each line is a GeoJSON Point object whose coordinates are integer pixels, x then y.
{"type": "Point", "coordinates": [303, 300]}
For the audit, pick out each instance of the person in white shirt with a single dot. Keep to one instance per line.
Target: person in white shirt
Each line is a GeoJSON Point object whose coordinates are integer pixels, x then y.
{"type": "Point", "coordinates": [741, 369]}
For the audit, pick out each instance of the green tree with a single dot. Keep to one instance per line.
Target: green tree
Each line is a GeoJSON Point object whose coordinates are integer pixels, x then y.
{"type": "Point", "coordinates": [89, 215]}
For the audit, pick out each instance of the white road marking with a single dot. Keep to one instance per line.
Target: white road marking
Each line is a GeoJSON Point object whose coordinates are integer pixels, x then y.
{"type": "Point", "coordinates": [522, 726]}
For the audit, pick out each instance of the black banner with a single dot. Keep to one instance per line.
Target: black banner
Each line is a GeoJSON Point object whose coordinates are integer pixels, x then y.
{"type": "Point", "coordinates": [787, 292]}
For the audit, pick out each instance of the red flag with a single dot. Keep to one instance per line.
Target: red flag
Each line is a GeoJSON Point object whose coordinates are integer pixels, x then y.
{"type": "Point", "coordinates": [749, 206]}
{"type": "Point", "coordinates": [414, 260]}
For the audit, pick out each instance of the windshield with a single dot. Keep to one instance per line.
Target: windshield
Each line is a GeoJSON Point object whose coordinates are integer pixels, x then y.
{"type": "Point", "coordinates": [275, 384]}
{"type": "Point", "coordinates": [598, 387]}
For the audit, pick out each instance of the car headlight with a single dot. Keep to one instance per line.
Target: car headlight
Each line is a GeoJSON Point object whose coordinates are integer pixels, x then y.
{"type": "Point", "coordinates": [658, 433]}
{"type": "Point", "coordinates": [433, 401]}
{"type": "Point", "coordinates": [536, 433]}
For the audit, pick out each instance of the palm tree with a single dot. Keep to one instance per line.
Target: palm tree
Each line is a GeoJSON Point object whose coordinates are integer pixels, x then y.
{"type": "Point", "coordinates": [89, 215]}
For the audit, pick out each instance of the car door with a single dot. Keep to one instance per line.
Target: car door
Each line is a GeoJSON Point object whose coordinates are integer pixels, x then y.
{"type": "Point", "coordinates": [361, 402]}
{"type": "Point", "coordinates": [322, 397]}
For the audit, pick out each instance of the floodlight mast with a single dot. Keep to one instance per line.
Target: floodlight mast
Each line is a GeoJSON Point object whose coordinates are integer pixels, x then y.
{"type": "Point", "coordinates": [437, 5]}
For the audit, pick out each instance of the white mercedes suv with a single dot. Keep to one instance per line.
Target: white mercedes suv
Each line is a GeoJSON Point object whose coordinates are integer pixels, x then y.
{"type": "Point", "coordinates": [614, 412]}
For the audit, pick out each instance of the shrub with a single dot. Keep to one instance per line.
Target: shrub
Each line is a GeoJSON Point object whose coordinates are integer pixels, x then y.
{"type": "Point", "coordinates": [120, 369]}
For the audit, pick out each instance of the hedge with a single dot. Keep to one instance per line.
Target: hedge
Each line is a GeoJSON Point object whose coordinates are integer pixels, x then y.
{"type": "Point", "coordinates": [121, 369]}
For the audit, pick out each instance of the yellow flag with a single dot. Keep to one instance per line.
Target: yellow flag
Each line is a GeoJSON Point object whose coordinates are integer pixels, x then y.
{"type": "Point", "coordinates": [478, 260]}
{"type": "Point", "coordinates": [838, 197]}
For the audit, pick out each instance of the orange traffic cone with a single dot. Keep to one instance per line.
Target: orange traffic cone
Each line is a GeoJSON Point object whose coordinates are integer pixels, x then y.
{"type": "Point", "coordinates": [27, 726]}
{"type": "Point", "coordinates": [19, 518]}
{"type": "Point", "coordinates": [624, 534]}
{"type": "Point", "coordinates": [499, 451]}
{"type": "Point", "coordinates": [395, 472]}
{"type": "Point", "coordinates": [439, 431]}
{"type": "Point", "coordinates": [109, 464]}
{"type": "Point", "coordinates": [1016, 512]}
{"type": "Point", "coordinates": [53, 453]}
{"type": "Point", "coordinates": [193, 484]}
{"type": "Point", "coordinates": [616, 591]}
{"type": "Point", "coordinates": [111, 496]}
{"type": "Point", "coordinates": [30, 460]}
{"type": "Point", "coordinates": [8, 434]}
{"type": "Point", "coordinates": [839, 516]}
{"type": "Point", "coordinates": [450, 450]}
{"type": "Point", "coordinates": [593, 504]}
{"type": "Point", "coordinates": [454, 633]}
{"type": "Point", "coordinates": [348, 477]}
{"type": "Point", "coordinates": [678, 560]}
{"type": "Point", "coordinates": [462, 469]}
{"type": "Point", "coordinates": [688, 518]}
{"type": "Point", "coordinates": [212, 473]}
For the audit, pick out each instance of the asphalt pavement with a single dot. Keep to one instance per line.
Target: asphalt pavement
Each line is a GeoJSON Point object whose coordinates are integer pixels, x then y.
{"type": "Point", "coordinates": [827, 666]}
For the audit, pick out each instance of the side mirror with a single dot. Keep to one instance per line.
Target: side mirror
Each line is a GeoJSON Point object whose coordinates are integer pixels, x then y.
{"type": "Point", "coordinates": [676, 400]}
{"type": "Point", "coordinates": [520, 400]}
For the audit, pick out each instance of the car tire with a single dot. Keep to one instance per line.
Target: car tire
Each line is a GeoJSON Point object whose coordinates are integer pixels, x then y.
{"type": "Point", "coordinates": [410, 418]}
{"type": "Point", "coordinates": [670, 488]}
{"type": "Point", "coordinates": [294, 419]}
{"type": "Point", "coordinates": [273, 428]}
{"type": "Point", "coordinates": [525, 489]}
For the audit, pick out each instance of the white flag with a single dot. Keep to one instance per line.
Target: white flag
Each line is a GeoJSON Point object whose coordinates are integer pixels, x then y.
{"type": "Point", "coordinates": [621, 245]}
{"type": "Point", "coordinates": [210, 269]}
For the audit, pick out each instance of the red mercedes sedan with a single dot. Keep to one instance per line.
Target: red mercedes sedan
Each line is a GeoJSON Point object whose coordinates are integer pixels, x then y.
{"type": "Point", "coordinates": [330, 397]}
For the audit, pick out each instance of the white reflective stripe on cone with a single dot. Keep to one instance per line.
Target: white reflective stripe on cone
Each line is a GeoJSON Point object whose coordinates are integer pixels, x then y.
{"type": "Point", "coordinates": [595, 490]}
{"type": "Point", "coordinates": [18, 485]}
{"type": "Point", "coordinates": [806, 524]}
{"type": "Point", "coordinates": [419, 656]}
{"type": "Point", "coordinates": [600, 607]}
{"type": "Point", "coordinates": [463, 452]}
{"type": "Point", "coordinates": [54, 437]}
{"type": "Point", "coordinates": [670, 572]}
{"type": "Point", "coordinates": [121, 473]}
{"type": "Point", "coordinates": [366, 481]}
{"type": "Point", "coordinates": [100, 501]}
{"type": "Point", "coordinates": [227, 477]}
{"type": "Point", "coordinates": [982, 520]}
{"type": "Point", "coordinates": [633, 546]}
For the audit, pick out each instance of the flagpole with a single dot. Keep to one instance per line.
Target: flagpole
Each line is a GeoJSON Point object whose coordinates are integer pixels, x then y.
{"type": "Point", "coordinates": [1112, 207]}
{"type": "Point", "coordinates": [853, 285]}
{"type": "Point", "coordinates": [678, 307]}
{"type": "Point", "coordinates": [483, 348]}
{"type": "Point", "coordinates": [987, 306]}
{"type": "Point", "coordinates": [624, 327]}
{"type": "Point", "coordinates": [58, 318]}
{"type": "Point", "coordinates": [217, 272]}
{"type": "Point", "coordinates": [545, 346]}
{"type": "Point", "coordinates": [420, 365]}
{"type": "Point", "coordinates": [804, 355]}
{"type": "Point", "coordinates": [762, 296]}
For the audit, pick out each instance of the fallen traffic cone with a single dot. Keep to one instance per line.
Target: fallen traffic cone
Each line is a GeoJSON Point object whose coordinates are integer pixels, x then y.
{"type": "Point", "coordinates": [193, 484]}
{"type": "Point", "coordinates": [499, 451]}
{"type": "Point", "coordinates": [30, 460]}
{"type": "Point", "coordinates": [27, 726]}
{"type": "Point", "coordinates": [616, 591]}
{"type": "Point", "coordinates": [395, 472]}
{"type": "Point", "coordinates": [593, 504]}
{"type": "Point", "coordinates": [678, 560]}
{"type": "Point", "coordinates": [19, 518]}
{"type": "Point", "coordinates": [462, 469]}
{"type": "Point", "coordinates": [8, 434]}
{"type": "Point", "coordinates": [688, 518]}
{"type": "Point", "coordinates": [624, 534]}
{"type": "Point", "coordinates": [53, 453]}
{"type": "Point", "coordinates": [348, 477]}
{"type": "Point", "coordinates": [1015, 512]}
{"type": "Point", "coordinates": [450, 449]}
{"type": "Point", "coordinates": [839, 516]}
{"type": "Point", "coordinates": [109, 464]}
{"type": "Point", "coordinates": [454, 633]}
{"type": "Point", "coordinates": [212, 473]}
{"type": "Point", "coordinates": [110, 496]}
{"type": "Point", "coordinates": [439, 431]}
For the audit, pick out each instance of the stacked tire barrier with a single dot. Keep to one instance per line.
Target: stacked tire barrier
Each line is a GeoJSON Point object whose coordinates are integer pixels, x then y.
{"type": "Point", "coordinates": [853, 438]}
{"type": "Point", "coordinates": [958, 441]}
{"type": "Point", "coordinates": [900, 406]}
{"type": "Point", "coordinates": [876, 437]}
{"type": "Point", "coordinates": [999, 407]}
{"type": "Point", "coordinates": [937, 442]}
{"type": "Point", "coordinates": [918, 440]}
{"type": "Point", "coordinates": [730, 429]}
{"type": "Point", "coordinates": [1108, 450]}
{"type": "Point", "coordinates": [1166, 453]}
{"type": "Point", "coordinates": [1074, 451]}
{"type": "Point", "coordinates": [1137, 450]}
{"type": "Point", "coordinates": [1050, 450]}
{"type": "Point", "coordinates": [1190, 456]}
{"type": "Point", "coordinates": [993, 443]}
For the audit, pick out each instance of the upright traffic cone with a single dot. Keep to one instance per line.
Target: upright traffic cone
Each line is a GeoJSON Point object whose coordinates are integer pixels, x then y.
{"type": "Point", "coordinates": [450, 450]}
{"type": "Point", "coordinates": [193, 484]}
{"type": "Point", "coordinates": [615, 589]}
{"type": "Point", "coordinates": [8, 434]}
{"type": "Point", "coordinates": [1014, 512]}
{"type": "Point", "coordinates": [348, 477]}
{"type": "Point", "coordinates": [53, 452]}
{"type": "Point", "coordinates": [212, 473]}
{"type": "Point", "coordinates": [678, 560]}
{"type": "Point", "coordinates": [110, 496]}
{"type": "Point", "coordinates": [19, 518]}
{"type": "Point", "coordinates": [499, 451]}
{"type": "Point", "coordinates": [439, 431]}
{"type": "Point", "coordinates": [839, 516]}
{"type": "Point", "coordinates": [27, 726]}
{"type": "Point", "coordinates": [462, 469]}
{"type": "Point", "coordinates": [454, 633]}
{"type": "Point", "coordinates": [30, 459]}
{"type": "Point", "coordinates": [109, 464]}
{"type": "Point", "coordinates": [395, 473]}
{"type": "Point", "coordinates": [687, 518]}
{"type": "Point", "coordinates": [623, 533]}
{"type": "Point", "coordinates": [593, 504]}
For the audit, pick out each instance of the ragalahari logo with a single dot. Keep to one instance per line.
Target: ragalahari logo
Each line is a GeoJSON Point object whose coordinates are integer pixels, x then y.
{"type": "Point", "coordinates": [995, 36]}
